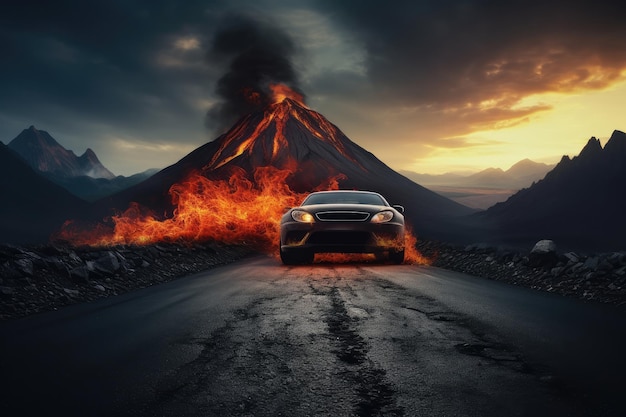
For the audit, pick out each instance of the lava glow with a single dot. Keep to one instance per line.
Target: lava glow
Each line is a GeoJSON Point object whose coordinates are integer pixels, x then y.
{"type": "Point", "coordinates": [281, 92]}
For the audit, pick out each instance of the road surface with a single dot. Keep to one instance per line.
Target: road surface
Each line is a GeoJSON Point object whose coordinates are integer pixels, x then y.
{"type": "Point", "coordinates": [256, 338]}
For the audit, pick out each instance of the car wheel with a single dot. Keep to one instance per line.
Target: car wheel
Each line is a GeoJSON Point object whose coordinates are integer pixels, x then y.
{"type": "Point", "coordinates": [397, 257]}
{"type": "Point", "coordinates": [381, 256]}
{"type": "Point", "coordinates": [296, 257]}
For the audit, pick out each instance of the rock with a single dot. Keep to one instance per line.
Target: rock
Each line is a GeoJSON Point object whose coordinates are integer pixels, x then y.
{"type": "Point", "coordinates": [604, 265]}
{"type": "Point", "coordinates": [557, 271]}
{"type": "Point", "coordinates": [107, 264]}
{"type": "Point", "coordinates": [9, 271]}
{"type": "Point", "coordinates": [71, 293]}
{"type": "Point", "coordinates": [591, 263]}
{"type": "Point", "coordinates": [544, 246]}
{"type": "Point", "coordinates": [543, 254]}
{"type": "Point", "coordinates": [7, 291]}
{"type": "Point", "coordinates": [79, 274]}
{"type": "Point", "coordinates": [25, 266]}
{"type": "Point", "coordinates": [617, 259]}
{"type": "Point", "coordinates": [99, 287]}
{"type": "Point", "coordinates": [57, 263]}
{"type": "Point", "coordinates": [74, 257]}
{"type": "Point", "coordinates": [571, 257]}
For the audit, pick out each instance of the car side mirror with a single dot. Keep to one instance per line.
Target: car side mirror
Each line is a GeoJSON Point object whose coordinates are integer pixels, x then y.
{"type": "Point", "coordinates": [399, 208]}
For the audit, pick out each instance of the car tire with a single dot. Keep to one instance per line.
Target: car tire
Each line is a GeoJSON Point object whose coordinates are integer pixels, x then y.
{"type": "Point", "coordinates": [296, 257]}
{"type": "Point", "coordinates": [396, 257]}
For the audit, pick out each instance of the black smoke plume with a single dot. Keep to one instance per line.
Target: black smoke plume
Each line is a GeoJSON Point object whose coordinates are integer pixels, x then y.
{"type": "Point", "coordinates": [255, 54]}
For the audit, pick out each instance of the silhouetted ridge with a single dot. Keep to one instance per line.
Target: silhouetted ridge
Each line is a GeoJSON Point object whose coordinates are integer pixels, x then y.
{"type": "Point", "coordinates": [580, 203]}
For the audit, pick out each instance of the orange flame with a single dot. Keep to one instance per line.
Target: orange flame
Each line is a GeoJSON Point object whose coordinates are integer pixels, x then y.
{"type": "Point", "coordinates": [281, 92]}
{"type": "Point", "coordinates": [234, 211]}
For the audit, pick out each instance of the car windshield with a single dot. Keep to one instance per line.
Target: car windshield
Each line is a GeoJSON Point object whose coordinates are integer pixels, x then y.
{"type": "Point", "coordinates": [344, 198]}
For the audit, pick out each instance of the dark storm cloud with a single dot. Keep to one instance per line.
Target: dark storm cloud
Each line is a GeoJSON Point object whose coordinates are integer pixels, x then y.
{"type": "Point", "coordinates": [94, 59]}
{"type": "Point", "coordinates": [147, 71]}
{"type": "Point", "coordinates": [458, 54]}
{"type": "Point", "coordinates": [254, 54]}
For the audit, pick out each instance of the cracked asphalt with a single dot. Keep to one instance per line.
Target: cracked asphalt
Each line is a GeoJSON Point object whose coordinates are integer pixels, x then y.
{"type": "Point", "coordinates": [259, 339]}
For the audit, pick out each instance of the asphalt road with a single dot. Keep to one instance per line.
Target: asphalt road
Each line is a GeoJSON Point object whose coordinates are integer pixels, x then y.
{"type": "Point", "coordinates": [260, 339]}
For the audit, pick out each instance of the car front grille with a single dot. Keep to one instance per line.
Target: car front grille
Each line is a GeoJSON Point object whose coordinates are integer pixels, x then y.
{"type": "Point", "coordinates": [342, 216]}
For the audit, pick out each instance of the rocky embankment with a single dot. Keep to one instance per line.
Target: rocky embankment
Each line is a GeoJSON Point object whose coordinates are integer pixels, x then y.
{"type": "Point", "coordinates": [37, 279]}
{"type": "Point", "coordinates": [599, 277]}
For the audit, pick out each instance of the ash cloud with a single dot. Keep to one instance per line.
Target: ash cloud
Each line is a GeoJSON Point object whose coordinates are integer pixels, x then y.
{"type": "Point", "coordinates": [254, 54]}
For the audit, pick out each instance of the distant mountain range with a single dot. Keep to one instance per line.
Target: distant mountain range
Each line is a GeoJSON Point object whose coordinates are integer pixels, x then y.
{"type": "Point", "coordinates": [44, 154]}
{"type": "Point", "coordinates": [581, 203]}
{"type": "Point", "coordinates": [520, 175]}
{"type": "Point", "coordinates": [483, 189]}
{"type": "Point", "coordinates": [84, 176]}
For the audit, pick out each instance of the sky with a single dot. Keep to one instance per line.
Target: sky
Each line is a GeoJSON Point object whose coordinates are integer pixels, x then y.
{"type": "Point", "coordinates": [427, 86]}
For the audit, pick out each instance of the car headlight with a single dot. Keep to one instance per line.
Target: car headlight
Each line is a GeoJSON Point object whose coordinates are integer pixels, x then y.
{"type": "Point", "coordinates": [382, 217]}
{"type": "Point", "coordinates": [302, 216]}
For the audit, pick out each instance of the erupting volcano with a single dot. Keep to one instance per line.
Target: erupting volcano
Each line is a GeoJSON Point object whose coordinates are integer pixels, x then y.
{"type": "Point", "coordinates": [235, 188]}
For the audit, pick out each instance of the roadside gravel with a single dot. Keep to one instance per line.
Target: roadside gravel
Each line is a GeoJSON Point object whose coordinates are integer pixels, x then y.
{"type": "Point", "coordinates": [44, 278]}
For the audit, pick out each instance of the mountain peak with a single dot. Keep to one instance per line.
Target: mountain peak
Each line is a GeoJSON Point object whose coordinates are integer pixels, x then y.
{"type": "Point", "coordinates": [44, 154]}
{"type": "Point", "coordinates": [618, 135]}
{"type": "Point", "coordinates": [32, 137]}
{"type": "Point", "coordinates": [616, 144]}
{"type": "Point", "coordinates": [282, 92]}
{"type": "Point", "coordinates": [284, 134]}
{"type": "Point", "coordinates": [290, 102]}
{"type": "Point", "coordinates": [89, 154]}
{"type": "Point", "coordinates": [593, 147]}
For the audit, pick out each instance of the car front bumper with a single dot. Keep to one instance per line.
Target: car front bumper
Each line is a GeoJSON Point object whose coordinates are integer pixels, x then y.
{"type": "Point", "coordinates": [340, 237]}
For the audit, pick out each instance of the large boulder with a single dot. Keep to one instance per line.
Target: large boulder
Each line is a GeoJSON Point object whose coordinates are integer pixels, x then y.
{"type": "Point", "coordinates": [543, 254]}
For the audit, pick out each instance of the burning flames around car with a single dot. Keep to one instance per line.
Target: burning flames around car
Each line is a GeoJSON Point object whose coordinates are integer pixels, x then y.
{"type": "Point", "coordinates": [234, 211]}
{"type": "Point", "coordinates": [224, 202]}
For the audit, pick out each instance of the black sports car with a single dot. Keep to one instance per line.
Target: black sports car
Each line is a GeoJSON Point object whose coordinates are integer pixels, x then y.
{"type": "Point", "coordinates": [342, 222]}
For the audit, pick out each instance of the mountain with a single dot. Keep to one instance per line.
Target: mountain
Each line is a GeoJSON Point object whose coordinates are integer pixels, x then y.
{"type": "Point", "coordinates": [525, 172]}
{"type": "Point", "coordinates": [43, 153]}
{"type": "Point", "coordinates": [580, 203]}
{"type": "Point", "coordinates": [287, 135]}
{"type": "Point", "coordinates": [520, 175]}
{"type": "Point", "coordinates": [84, 176]}
{"type": "Point", "coordinates": [483, 189]}
{"type": "Point", "coordinates": [32, 206]}
{"type": "Point", "coordinates": [92, 189]}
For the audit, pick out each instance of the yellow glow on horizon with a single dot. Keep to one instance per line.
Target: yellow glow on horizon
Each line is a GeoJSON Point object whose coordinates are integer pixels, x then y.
{"type": "Point", "coordinates": [546, 137]}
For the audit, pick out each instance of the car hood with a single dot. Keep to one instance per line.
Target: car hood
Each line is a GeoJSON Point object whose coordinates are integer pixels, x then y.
{"type": "Point", "coordinates": [316, 208]}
